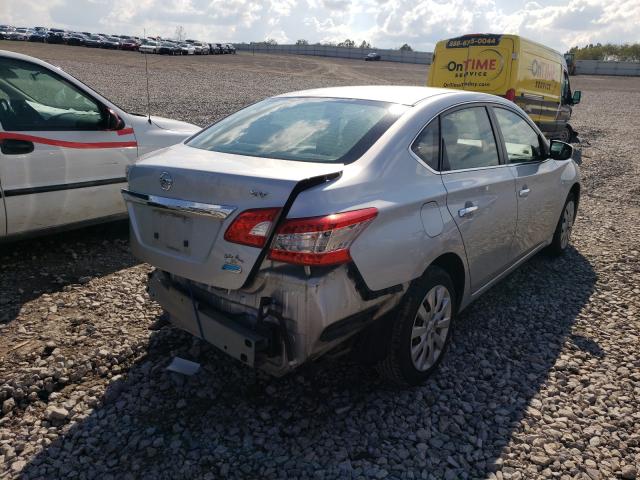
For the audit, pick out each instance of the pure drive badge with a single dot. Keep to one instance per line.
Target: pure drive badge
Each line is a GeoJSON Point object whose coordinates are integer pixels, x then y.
{"type": "Point", "coordinates": [229, 267]}
{"type": "Point", "coordinates": [232, 263]}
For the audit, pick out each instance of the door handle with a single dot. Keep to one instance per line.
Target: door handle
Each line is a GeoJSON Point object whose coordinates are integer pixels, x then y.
{"type": "Point", "coordinates": [524, 191]}
{"type": "Point", "coordinates": [11, 146]}
{"type": "Point", "coordinates": [468, 209]}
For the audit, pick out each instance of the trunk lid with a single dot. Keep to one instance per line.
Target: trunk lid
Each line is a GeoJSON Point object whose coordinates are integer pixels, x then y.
{"type": "Point", "coordinates": [182, 199]}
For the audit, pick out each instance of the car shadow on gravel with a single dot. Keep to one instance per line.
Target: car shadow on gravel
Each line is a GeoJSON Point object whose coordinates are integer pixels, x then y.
{"type": "Point", "coordinates": [332, 418]}
{"type": "Point", "coordinates": [32, 267]}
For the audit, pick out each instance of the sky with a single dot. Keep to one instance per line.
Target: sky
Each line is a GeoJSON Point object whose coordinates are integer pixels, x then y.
{"type": "Point", "coordinates": [385, 24]}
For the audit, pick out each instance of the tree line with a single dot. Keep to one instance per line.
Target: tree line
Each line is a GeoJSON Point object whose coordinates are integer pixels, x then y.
{"type": "Point", "coordinates": [628, 52]}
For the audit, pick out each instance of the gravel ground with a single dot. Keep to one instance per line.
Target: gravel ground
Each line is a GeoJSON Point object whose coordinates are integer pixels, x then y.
{"type": "Point", "coordinates": [542, 379]}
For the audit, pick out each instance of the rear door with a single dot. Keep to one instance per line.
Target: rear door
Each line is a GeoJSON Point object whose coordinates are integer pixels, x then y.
{"type": "Point", "coordinates": [59, 165]}
{"type": "Point", "coordinates": [480, 191]}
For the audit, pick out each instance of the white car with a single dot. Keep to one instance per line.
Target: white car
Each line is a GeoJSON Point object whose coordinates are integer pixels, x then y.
{"type": "Point", "coordinates": [201, 48]}
{"type": "Point", "coordinates": [65, 148]}
{"type": "Point", "coordinates": [187, 49]}
{"type": "Point", "coordinates": [149, 47]}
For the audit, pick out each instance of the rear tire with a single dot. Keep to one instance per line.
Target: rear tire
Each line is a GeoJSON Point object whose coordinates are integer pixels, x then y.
{"type": "Point", "coordinates": [421, 330]}
{"type": "Point", "coordinates": [562, 234]}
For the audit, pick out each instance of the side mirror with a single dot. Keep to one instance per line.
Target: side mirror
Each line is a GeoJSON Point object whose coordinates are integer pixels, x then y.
{"type": "Point", "coordinates": [114, 122]}
{"type": "Point", "coordinates": [560, 151]}
{"type": "Point", "coordinates": [577, 95]}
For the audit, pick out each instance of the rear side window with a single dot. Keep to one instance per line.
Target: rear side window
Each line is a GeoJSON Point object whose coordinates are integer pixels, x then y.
{"type": "Point", "coordinates": [467, 140]}
{"type": "Point", "coordinates": [326, 130]}
{"type": "Point", "coordinates": [426, 145]}
{"type": "Point", "coordinates": [522, 141]}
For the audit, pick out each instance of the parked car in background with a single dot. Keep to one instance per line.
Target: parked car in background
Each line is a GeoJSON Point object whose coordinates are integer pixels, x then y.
{"type": "Point", "coordinates": [201, 48]}
{"type": "Point", "coordinates": [65, 148]}
{"type": "Point", "coordinates": [169, 48]}
{"type": "Point", "coordinates": [110, 42]}
{"type": "Point", "coordinates": [129, 44]}
{"type": "Point", "coordinates": [187, 49]}
{"type": "Point", "coordinates": [18, 34]}
{"type": "Point", "coordinates": [37, 36]}
{"type": "Point", "coordinates": [5, 31]}
{"type": "Point", "coordinates": [372, 57]}
{"type": "Point", "coordinates": [228, 48]}
{"type": "Point", "coordinates": [56, 35]}
{"type": "Point", "coordinates": [215, 48]}
{"type": "Point", "coordinates": [76, 39]}
{"type": "Point", "coordinates": [149, 46]}
{"type": "Point", "coordinates": [40, 29]}
{"type": "Point", "coordinates": [94, 41]}
{"type": "Point", "coordinates": [369, 230]}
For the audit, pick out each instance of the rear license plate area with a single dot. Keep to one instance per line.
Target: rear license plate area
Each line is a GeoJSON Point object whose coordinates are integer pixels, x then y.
{"type": "Point", "coordinates": [171, 231]}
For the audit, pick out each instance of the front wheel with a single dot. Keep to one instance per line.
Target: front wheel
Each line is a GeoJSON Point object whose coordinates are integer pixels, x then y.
{"type": "Point", "coordinates": [562, 233]}
{"type": "Point", "coordinates": [565, 134]}
{"type": "Point", "coordinates": [421, 329]}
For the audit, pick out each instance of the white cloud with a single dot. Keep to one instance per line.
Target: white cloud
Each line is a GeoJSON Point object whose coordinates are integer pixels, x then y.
{"type": "Point", "coordinates": [384, 23]}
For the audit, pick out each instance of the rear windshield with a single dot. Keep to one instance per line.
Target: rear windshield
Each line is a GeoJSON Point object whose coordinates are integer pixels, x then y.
{"type": "Point", "coordinates": [326, 130]}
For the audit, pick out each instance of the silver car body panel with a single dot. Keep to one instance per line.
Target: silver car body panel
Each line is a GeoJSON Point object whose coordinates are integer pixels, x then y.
{"type": "Point", "coordinates": [418, 221]}
{"type": "Point", "coordinates": [193, 245]}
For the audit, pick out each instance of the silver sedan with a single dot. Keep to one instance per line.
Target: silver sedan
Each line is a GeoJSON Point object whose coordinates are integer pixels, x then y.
{"type": "Point", "coordinates": [360, 218]}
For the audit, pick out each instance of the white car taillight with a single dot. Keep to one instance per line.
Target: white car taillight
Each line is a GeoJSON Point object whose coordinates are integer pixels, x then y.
{"type": "Point", "coordinates": [320, 240]}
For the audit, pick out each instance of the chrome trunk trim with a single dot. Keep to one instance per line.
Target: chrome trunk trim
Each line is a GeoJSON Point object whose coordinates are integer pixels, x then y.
{"type": "Point", "coordinates": [183, 206]}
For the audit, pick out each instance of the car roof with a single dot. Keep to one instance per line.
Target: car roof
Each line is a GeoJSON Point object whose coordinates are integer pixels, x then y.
{"type": "Point", "coordinates": [405, 95]}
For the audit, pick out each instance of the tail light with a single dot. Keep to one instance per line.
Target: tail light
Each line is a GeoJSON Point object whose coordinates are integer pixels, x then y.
{"type": "Point", "coordinates": [320, 240]}
{"type": "Point", "coordinates": [510, 95]}
{"type": "Point", "coordinates": [252, 227]}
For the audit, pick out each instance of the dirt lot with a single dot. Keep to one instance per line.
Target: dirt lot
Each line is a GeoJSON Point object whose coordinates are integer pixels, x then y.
{"type": "Point", "coordinates": [542, 380]}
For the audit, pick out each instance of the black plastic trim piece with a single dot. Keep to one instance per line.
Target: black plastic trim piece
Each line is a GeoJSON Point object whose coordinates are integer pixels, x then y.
{"type": "Point", "coordinates": [347, 325]}
{"type": "Point", "coordinates": [301, 186]}
{"type": "Point", "coordinates": [63, 186]}
{"type": "Point", "coordinates": [361, 286]}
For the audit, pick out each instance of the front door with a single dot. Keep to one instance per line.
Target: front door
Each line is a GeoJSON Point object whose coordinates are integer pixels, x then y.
{"type": "Point", "coordinates": [538, 182]}
{"type": "Point", "coordinates": [59, 164]}
{"type": "Point", "coordinates": [480, 192]}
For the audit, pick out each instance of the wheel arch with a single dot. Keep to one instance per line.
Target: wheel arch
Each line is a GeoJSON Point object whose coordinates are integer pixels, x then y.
{"type": "Point", "coordinates": [454, 266]}
{"type": "Point", "coordinates": [575, 190]}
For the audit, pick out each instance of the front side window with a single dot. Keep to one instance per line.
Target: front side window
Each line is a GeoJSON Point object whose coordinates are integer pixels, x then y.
{"type": "Point", "coordinates": [522, 141]}
{"type": "Point", "coordinates": [426, 145]}
{"type": "Point", "coordinates": [467, 140]}
{"type": "Point", "coordinates": [36, 99]}
{"type": "Point", "coordinates": [308, 129]}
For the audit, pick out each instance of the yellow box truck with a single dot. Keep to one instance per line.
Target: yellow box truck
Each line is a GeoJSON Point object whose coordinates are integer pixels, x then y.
{"type": "Point", "coordinates": [535, 77]}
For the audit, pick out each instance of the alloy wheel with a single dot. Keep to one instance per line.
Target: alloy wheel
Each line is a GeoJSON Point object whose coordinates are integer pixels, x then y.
{"type": "Point", "coordinates": [430, 328]}
{"type": "Point", "coordinates": [567, 224]}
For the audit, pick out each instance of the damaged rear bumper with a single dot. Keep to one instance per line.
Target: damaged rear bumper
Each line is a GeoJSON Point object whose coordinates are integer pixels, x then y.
{"type": "Point", "coordinates": [281, 320]}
